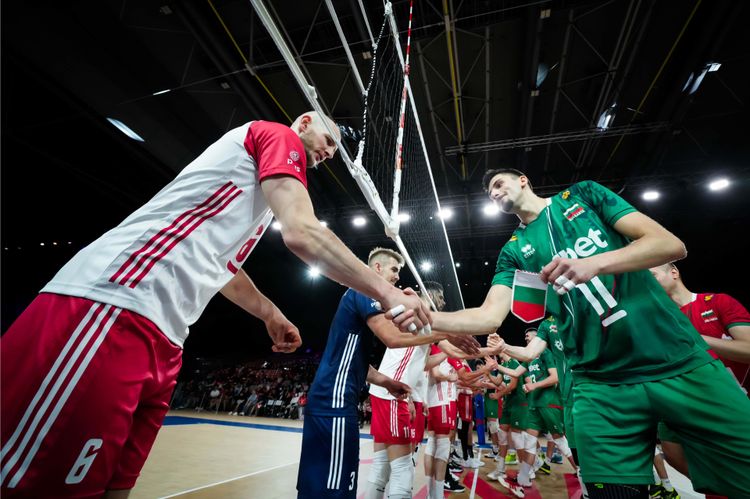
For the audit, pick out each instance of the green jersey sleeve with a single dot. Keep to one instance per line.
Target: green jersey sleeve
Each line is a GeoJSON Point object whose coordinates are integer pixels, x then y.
{"type": "Point", "coordinates": [506, 263]}
{"type": "Point", "coordinates": [609, 205]}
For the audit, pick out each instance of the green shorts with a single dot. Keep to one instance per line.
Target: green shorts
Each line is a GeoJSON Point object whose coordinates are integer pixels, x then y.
{"type": "Point", "coordinates": [490, 408]}
{"type": "Point", "coordinates": [546, 419]}
{"type": "Point", "coordinates": [570, 433]}
{"type": "Point", "coordinates": [704, 407]}
{"type": "Point", "coordinates": [519, 416]}
{"type": "Point", "coordinates": [665, 434]}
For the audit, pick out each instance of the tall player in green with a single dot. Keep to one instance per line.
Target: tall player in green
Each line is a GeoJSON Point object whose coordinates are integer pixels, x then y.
{"type": "Point", "coordinates": [635, 357]}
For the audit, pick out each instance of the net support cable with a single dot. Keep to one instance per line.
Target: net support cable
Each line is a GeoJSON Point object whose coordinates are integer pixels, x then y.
{"type": "Point", "coordinates": [356, 169]}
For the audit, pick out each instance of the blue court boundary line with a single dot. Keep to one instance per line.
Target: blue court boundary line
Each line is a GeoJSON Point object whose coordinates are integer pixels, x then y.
{"type": "Point", "coordinates": [185, 420]}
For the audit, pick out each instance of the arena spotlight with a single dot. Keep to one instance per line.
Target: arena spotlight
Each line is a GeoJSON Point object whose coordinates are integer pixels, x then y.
{"type": "Point", "coordinates": [651, 195]}
{"type": "Point", "coordinates": [359, 221]}
{"type": "Point", "coordinates": [403, 217]}
{"type": "Point", "coordinates": [491, 209]}
{"type": "Point", "coordinates": [445, 213]}
{"type": "Point", "coordinates": [426, 266]}
{"type": "Point", "coordinates": [313, 272]}
{"type": "Point", "coordinates": [324, 223]}
{"type": "Point", "coordinates": [276, 225]}
{"type": "Point", "coordinates": [718, 184]}
{"type": "Point", "coordinates": [458, 265]}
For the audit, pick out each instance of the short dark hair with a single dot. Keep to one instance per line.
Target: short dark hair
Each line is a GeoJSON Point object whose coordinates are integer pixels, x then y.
{"type": "Point", "coordinates": [433, 286]}
{"type": "Point", "coordinates": [529, 329]}
{"type": "Point", "coordinates": [490, 174]}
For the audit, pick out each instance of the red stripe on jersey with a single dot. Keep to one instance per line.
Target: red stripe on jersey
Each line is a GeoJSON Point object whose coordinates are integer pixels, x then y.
{"type": "Point", "coordinates": [192, 225]}
{"type": "Point", "coordinates": [403, 364]}
{"type": "Point", "coordinates": [164, 231]}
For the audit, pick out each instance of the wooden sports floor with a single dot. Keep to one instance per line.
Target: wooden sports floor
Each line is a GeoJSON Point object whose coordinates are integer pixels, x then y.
{"type": "Point", "coordinates": [200, 455]}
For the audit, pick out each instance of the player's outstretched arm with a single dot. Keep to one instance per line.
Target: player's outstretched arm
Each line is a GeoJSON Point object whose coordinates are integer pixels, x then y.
{"type": "Point", "coordinates": [484, 319]}
{"type": "Point", "coordinates": [396, 388]}
{"type": "Point", "coordinates": [393, 338]}
{"type": "Point", "coordinates": [737, 349]}
{"type": "Point", "coordinates": [315, 244]}
{"type": "Point", "coordinates": [550, 380]}
{"type": "Point", "coordinates": [528, 353]}
{"type": "Point", "coordinates": [434, 360]}
{"type": "Point", "coordinates": [241, 291]}
{"type": "Point", "coordinates": [452, 351]}
{"type": "Point", "coordinates": [652, 245]}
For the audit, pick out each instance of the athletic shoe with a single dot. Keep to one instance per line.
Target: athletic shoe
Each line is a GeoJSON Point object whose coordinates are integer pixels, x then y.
{"type": "Point", "coordinates": [452, 485]}
{"type": "Point", "coordinates": [656, 491]}
{"type": "Point", "coordinates": [512, 487]}
{"type": "Point", "coordinates": [476, 462]}
{"type": "Point", "coordinates": [670, 494]}
{"type": "Point", "coordinates": [494, 475]}
{"type": "Point", "coordinates": [557, 458]}
{"type": "Point", "coordinates": [511, 459]}
{"type": "Point", "coordinates": [492, 454]}
{"type": "Point", "coordinates": [545, 468]}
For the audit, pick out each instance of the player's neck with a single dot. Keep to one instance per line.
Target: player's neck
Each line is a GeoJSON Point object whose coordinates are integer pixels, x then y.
{"type": "Point", "coordinates": [681, 295]}
{"type": "Point", "coordinates": [530, 208]}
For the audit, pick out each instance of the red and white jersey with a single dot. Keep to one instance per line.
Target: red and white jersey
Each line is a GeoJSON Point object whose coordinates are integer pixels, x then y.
{"type": "Point", "coordinates": [713, 314]}
{"type": "Point", "coordinates": [441, 392]}
{"type": "Point", "coordinates": [419, 392]}
{"type": "Point", "coordinates": [401, 364]}
{"type": "Point", "coordinates": [172, 255]}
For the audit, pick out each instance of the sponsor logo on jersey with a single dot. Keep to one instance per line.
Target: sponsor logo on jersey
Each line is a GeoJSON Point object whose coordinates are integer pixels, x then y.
{"type": "Point", "coordinates": [528, 251]}
{"type": "Point", "coordinates": [565, 195]}
{"type": "Point", "coordinates": [558, 345]}
{"type": "Point", "coordinates": [708, 297]}
{"type": "Point", "coordinates": [513, 238]}
{"type": "Point", "coordinates": [553, 328]}
{"type": "Point", "coordinates": [585, 245]}
{"type": "Point", "coordinates": [534, 367]}
{"type": "Point", "coordinates": [573, 212]}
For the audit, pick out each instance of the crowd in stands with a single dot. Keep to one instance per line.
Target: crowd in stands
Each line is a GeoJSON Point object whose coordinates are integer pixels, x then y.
{"type": "Point", "coordinates": [267, 388]}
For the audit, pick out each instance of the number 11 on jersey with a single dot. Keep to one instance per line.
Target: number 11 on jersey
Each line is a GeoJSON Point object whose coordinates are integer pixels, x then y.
{"type": "Point", "coordinates": [606, 296]}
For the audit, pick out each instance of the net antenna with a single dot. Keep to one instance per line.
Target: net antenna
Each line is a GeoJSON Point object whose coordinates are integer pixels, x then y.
{"type": "Point", "coordinates": [382, 137]}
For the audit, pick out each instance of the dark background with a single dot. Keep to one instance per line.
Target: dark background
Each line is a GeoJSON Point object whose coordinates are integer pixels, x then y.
{"type": "Point", "coordinates": [68, 175]}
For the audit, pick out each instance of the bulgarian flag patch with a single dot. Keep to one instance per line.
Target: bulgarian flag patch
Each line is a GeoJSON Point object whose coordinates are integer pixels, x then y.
{"type": "Point", "coordinates": [529, 296]}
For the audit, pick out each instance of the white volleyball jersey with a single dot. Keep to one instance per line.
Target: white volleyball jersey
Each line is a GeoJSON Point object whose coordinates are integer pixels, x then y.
{"type": "Point", "coordinates": [419, 393]}
{"type": "Point", "coordinates": [401, 364]}
{"type": "Point", "coordinates": [172, 255]}
{"type": "Point", "coordinates": [441, 392]}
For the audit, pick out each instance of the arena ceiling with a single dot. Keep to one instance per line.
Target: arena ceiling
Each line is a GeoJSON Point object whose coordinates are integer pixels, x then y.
{"type": "Point", "coordinates": [521, 83]}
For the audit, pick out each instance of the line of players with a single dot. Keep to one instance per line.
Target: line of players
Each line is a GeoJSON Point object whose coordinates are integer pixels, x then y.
{"type": "Point", "coordinates": [635, 360]}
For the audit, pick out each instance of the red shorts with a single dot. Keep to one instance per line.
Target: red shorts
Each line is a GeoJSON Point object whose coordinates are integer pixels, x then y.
{"type": "Point", "coordinates": [417, 428]}
{"type": "Point", "coordinates": [85, 387]}
{"type": "Point", "coordinates": [391, 422]}
{"type": "Point", "coordinates": [465, 407]}
{"type": "Point", "coordinates": [442, 419]}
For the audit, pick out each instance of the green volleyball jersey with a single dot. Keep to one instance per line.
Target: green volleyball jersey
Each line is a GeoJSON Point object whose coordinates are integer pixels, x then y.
{"type": "Point", "coordinates": [617, 328]}
{"type": "Point", "coordinates": [517, 396]}
{"type": "Point", "coordinates": [538, 370]}
{"type": "Point", "coordinates": [548, 332]}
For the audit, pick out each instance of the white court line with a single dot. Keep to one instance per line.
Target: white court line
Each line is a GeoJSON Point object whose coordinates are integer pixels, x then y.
{"type": "Point", "coordinates": [229, 480]}
{"type": "Point", "coordinates": [476, 474]}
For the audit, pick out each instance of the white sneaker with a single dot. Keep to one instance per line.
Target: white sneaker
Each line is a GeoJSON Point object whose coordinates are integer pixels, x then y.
{"type": "Point", "coordinates": [523, 483]}
{"type": "Point", "coordinates": [493, 475]}
{"type": "Point", "coordinates": [476, 462]}
{"type": "Point", "coordinates": [514, 489]}
{"type": "Point", "coordinates": [532, 475]}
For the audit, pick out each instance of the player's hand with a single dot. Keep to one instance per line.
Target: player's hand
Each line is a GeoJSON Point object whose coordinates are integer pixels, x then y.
{"type": "Point", "coordinates": [414, 310]}
{"type": "Point", "coordinates": [495, 342]}
{"type": "Point", "coordinates": [494, 396]}
{"type": "Point", "coordinates": [529, 387]}
{"type": "Point", "coordinates": [490, 363]}
{"type": "Point", "coordinates": [284, 334]}
{"type": "Point", "coordinates": [412, 410]}
{"type": "Point", "coordinates": [565, 273]}
{"type": "Point", "coordinates": [397, 389]}
{"type": "Point", "coordinates": [468, 344]}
